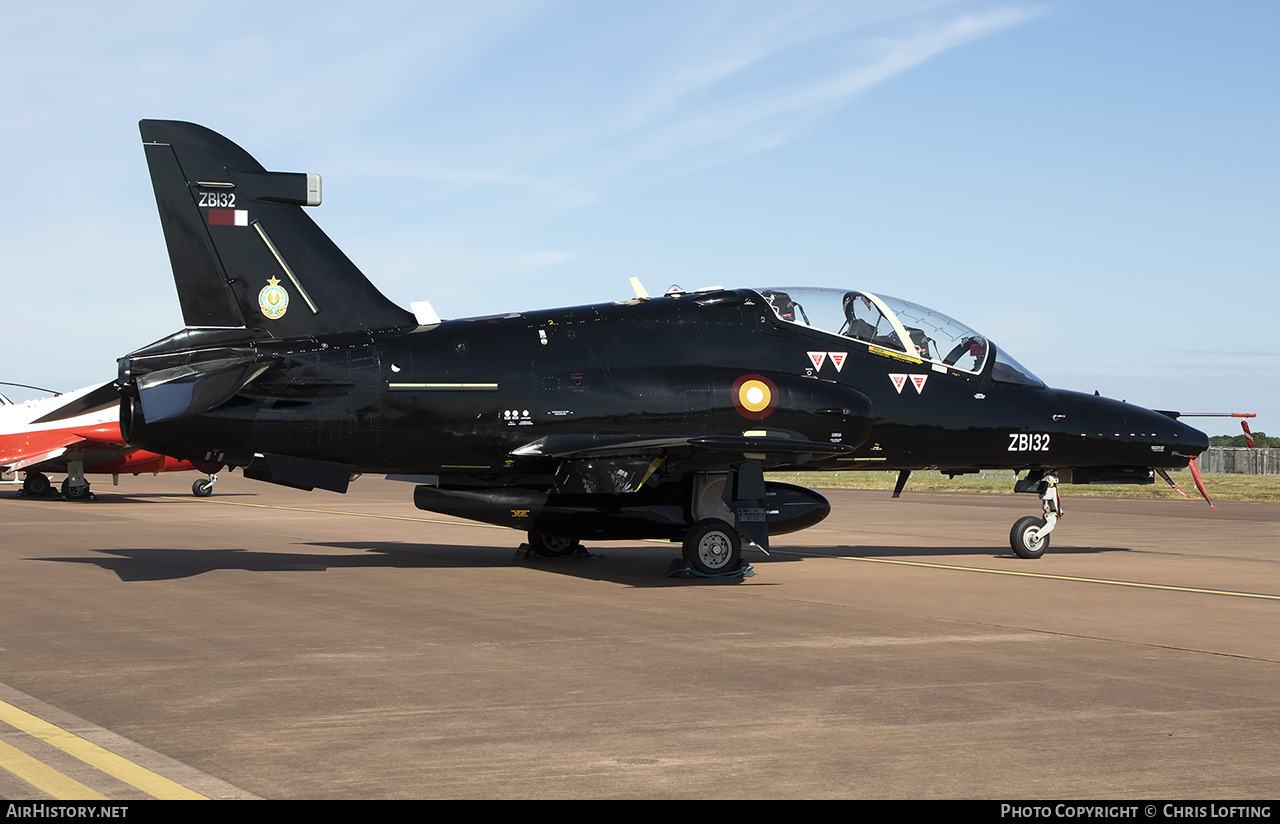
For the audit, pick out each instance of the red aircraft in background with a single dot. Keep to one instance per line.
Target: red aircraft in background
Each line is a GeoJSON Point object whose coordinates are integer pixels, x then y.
{"type": "Point", "coordinates": [72, 433]}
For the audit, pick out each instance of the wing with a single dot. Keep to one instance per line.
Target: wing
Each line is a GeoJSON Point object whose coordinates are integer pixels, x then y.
{"type": "Point", "coordinates": [621, 464]}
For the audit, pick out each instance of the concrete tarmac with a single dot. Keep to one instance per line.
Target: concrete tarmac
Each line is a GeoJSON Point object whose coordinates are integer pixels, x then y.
{"type": "Point", "coordinates": [280, 644]}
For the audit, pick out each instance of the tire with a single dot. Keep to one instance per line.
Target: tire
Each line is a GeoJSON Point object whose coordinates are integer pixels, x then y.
{"type": "Point", "coordinates": [712, 547]}
{"type": "Point", "coordinates": [1025, 538]}
{"type": "Point", "coordinates": [75, 494]}
{"type": "Point", "coordinates": [36, 484]}
{"type": "Point", "coordinates": [552, 546]}
{"type": "Point", "coordinates": [202, 488]}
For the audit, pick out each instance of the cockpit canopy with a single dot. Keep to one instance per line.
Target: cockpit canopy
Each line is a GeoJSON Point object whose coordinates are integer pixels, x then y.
{"type": "Point", "coordinates": [896, 326]}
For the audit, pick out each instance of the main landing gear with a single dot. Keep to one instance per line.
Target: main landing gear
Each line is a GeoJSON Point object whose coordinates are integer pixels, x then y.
{"type": "Point", "coordinates": [36, 485]}
{"type": "Point", "coordinates": [76, 493]}
{"type": "Point", "coordinates": [1029, 537]}
{"type": "Point", "coordinates": [553, 546]}
{"type": "Point", "coordinates": [725, 510]}
{"type": "Point", "coordinates": [713, 547]}
{"type": "Point", "coordinates": [74, 488]}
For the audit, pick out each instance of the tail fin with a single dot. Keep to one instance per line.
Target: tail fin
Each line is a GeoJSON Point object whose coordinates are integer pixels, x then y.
{"type": "Point", "coordinates": [243, 252]}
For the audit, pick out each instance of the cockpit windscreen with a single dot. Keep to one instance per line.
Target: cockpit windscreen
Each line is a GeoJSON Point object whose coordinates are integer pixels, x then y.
{"type": "Point", "coordinates": [888, 323]}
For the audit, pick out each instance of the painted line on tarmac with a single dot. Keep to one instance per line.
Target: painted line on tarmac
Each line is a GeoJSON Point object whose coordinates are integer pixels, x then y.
{"type": "Point", "coordinates": [1262, 596]}
{"type": "Point", "coordinates": [94, 753]}
{"type": "Point", "coordinates": [43, 777]}
{"type": "Point", "coordinates": [95, 756]}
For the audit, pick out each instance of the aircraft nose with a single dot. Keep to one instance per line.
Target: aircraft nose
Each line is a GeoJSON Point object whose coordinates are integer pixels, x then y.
{"type": "Point", "coordinates": [1126, 433]}
{"type": "Point", "coordinates": [1167, 434]}
{"type": "Point", "coordinates": [1191, 440]}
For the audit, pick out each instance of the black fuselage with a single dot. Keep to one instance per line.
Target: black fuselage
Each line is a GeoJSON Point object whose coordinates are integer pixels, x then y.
{"type": "Point", "coordinates": [505, 395]}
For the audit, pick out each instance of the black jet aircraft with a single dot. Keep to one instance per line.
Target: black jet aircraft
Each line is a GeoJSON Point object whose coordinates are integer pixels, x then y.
{"type": "Point", "coordinates": [646, 418]}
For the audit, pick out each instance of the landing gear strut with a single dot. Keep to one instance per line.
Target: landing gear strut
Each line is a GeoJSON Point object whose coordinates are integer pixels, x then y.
{"type": "Point", "coordinates": [75, 487]}
{"type": "Point", "coordinates": [728, 509]}
{"type": "Point", "coordinates": [1029, 537]}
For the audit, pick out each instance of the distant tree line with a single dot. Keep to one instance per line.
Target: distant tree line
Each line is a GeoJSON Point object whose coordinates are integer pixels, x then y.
{"type": "Point", "coordinates": [1260, 440]}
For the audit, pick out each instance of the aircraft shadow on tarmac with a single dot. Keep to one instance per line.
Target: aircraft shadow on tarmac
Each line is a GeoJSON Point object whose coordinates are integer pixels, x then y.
{"type": "Point", "coordinates": [620, 564]}
{"type": "Point", "coordinates": [633, 567]}
{"type": "Point", "coordinates": [168, 564]}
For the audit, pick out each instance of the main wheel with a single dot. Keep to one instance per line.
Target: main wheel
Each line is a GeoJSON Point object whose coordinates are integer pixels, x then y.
{"type": "Point", "coordinates": [553, 546]}
{"type": "Point", "coordinates": [36, 484]}
{"type": "Point", "coordinates": [75, 493]}
{"type": "Point", "coordinates": [712, 547]}
{"type": "Point", "coordinates": [202, 488]}
{"type": "Point", "coordinates": [1025, 538]}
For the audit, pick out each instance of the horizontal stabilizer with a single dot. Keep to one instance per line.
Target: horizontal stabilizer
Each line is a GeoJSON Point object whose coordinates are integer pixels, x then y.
{"type": "Point", "coordinates": [101, 398]}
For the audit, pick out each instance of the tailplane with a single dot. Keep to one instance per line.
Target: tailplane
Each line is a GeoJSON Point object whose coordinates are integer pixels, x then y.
{"type": "Point", "coordinates": [243, 251]}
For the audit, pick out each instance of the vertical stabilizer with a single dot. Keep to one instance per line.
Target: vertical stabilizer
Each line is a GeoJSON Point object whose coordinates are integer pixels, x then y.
{"type": "Point", "coordinates": [243, 251]}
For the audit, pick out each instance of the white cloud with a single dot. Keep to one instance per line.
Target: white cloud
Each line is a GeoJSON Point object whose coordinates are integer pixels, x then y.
{"type": "Point", "coordinates": [693, 121]}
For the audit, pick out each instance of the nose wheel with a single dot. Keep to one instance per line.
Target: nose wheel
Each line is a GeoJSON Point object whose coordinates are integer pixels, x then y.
{"type": "Point", "coordinates": [203, 488]}
{"type": "Point", "coordinates": [1029, 537]}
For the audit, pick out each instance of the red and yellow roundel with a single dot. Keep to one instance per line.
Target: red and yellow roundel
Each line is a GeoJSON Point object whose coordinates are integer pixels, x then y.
{"type": "Point", "coordinates": [754, 396]}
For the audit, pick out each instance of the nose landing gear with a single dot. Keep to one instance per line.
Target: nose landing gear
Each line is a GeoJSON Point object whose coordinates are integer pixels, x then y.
{"type": "Point", "coordinates": [203, 488]}
{"type": "Point", "coordinates": [1029, 537]}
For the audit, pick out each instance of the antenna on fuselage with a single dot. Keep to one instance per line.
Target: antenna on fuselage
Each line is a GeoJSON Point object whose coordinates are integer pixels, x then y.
{"type": "Point", "coordinates": [424, 313]}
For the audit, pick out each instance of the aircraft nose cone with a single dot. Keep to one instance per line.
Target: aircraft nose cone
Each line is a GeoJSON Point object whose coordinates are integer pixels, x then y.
{"type": "Point", "coordinates": [1115, 432]}
{"type": "Point", "coordinates": [1191, 440]}
{"type": "Point", "coordinates": [1168, 435]}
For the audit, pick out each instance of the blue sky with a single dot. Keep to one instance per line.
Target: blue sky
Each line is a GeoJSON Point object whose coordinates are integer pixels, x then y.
{"type": "Point", "coordinates": [1094, 185]}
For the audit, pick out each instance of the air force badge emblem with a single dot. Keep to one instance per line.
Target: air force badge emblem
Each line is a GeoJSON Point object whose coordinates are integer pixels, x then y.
{"type": "Point", "coordinates": [273, 300]}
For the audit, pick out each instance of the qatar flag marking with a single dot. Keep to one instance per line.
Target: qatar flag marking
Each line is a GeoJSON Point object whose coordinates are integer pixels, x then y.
{"type": "Point", "coordinates": [228, 217]}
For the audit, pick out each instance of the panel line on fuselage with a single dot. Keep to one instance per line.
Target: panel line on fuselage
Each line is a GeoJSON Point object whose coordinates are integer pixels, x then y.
{"type": "Point", "coordinates": [443, 387]}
